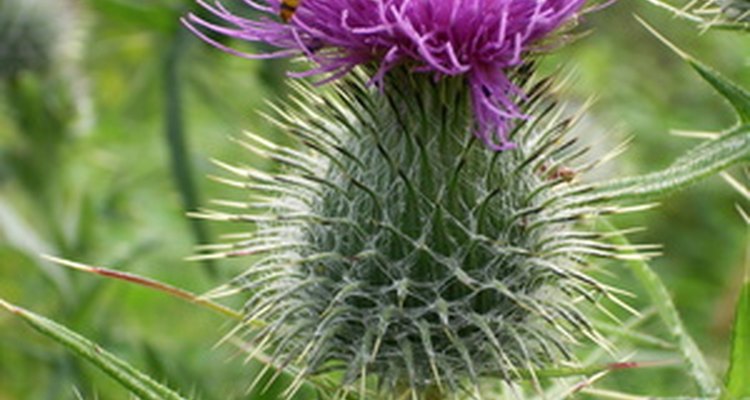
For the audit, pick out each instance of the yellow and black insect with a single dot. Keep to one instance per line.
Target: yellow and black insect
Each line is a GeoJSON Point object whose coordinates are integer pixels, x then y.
{"type": "Point", "coordinates": [288, 7]}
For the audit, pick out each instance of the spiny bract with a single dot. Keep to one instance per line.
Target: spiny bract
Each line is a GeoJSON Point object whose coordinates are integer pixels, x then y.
{"type": "Point", "coordinates": [397, 249]}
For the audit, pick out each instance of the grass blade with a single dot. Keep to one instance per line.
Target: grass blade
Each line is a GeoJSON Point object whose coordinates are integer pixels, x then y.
{"type": "Point", "coordinates": [175, 133]}
{"type": "Point", "coordinates": [129, 377]}
{"type": "Point", "coordinates": [662, 301]}
{"type": "Point", "coordinates": [737, 383]}
{"type": "Point", "coordinates": [149, 283]}
{"type": "Point", "coordinates": [737, 96]}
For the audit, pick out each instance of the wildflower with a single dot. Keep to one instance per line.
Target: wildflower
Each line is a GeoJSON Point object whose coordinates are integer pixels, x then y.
{"type": "Point", "coordinates": [478, 39]}
{"type": "Point", "coordinates": [396, 256]}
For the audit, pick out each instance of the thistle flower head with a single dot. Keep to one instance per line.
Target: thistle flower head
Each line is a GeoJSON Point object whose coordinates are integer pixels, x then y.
{"type": "Point", "coordinates": [398, 253]}
{"type": "Point", "coordinates": [478, 39]}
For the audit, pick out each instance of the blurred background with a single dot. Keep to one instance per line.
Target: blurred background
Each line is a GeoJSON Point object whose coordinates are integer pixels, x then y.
{"type": "Point", "coordinates": [110, 112]}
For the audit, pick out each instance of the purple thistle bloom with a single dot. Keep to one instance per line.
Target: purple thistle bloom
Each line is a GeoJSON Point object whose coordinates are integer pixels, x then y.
{"type": "Point", "coordinates": [480, 39]}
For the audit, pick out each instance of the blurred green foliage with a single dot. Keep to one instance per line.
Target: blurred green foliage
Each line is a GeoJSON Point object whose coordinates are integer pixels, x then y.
{"type": "Point", "coordinates": [105, 194]}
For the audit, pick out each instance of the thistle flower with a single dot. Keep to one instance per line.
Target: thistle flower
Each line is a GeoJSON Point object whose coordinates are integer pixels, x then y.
{"type": "Point", "coordinates": [396, 251]}
{"type": "Point", "coordinates": [480, 40]}
{"type": "Point", "coordinates": [400, 254]}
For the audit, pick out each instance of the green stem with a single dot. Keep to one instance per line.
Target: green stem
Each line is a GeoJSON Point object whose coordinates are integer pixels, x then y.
{"type": "Point", "coordinates": [659, 297]}
{"type": "Point", "coordinates": [177, 142]}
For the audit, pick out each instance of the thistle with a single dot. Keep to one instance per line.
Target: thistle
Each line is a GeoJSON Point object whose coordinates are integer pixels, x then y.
{"type": "Point", "coordinates": [477, 39]}
{"type": "Point", "coordinates": [395, 250]}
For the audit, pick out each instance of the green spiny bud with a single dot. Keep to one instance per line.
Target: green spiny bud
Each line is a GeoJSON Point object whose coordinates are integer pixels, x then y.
{"type": "Point", "coordinates": [400, 252]}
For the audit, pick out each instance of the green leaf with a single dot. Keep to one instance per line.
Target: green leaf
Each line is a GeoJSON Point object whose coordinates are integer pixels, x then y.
{"type": "Point", "coordinates": [738, 97]}
{"type": "Point", "coordinates": [308, 386]}
{"type": "Point", "coordinates": [738, 375]}
{"type": "Point", "coordinates": [132, 379]}
{"type": "Point", "coordinates": [698, 163]}
{"type": "Point", "coordinates": [177, 143]}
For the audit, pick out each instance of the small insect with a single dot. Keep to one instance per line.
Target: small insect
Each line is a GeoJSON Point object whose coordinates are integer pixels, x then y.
{"type": "Point", "coordinates": [564, 173]}
{"type": "Point", "coordinates": [560, 172]}
{"type": "Point", "coordinates": [288, 7]}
